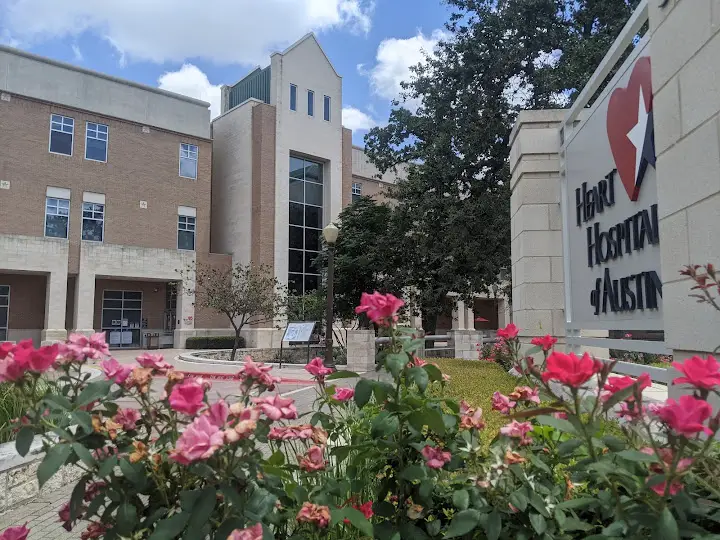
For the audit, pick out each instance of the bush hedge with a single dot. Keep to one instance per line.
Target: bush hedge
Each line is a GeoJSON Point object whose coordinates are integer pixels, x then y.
{"type": "Point", "coordinates": [213, 342]}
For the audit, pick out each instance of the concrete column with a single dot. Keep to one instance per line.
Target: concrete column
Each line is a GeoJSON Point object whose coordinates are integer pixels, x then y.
{"type": "Point", "coordinates": [469, 318]}
{"type": "Point", "coordinates": [361, 351]}
{"type": "Point", "coordinates": [538, 297]}
{"type": "Point", "coordinates": [503, 312]}
{"type": "Point", "coordinates": [466, 343]}
{"type": "Point", "coordinates": [55, 303]}
{"type": "Point", "coordinates": [458, 316]}
{"type": "Point", "coordinates": [185, 313]}
{"type": "Point", "coordinates": [686, 102]}
{"type": "Point", "coordinates": [84, 303]}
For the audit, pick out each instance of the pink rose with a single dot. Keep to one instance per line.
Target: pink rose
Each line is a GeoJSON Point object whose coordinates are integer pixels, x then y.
{"type": "Point", "coordinates": [686, 417]}
{"type": "Point", "coordinates": [569, 369]}
{"type": "Point", "coordinates": [153, 361]}
{"type": "Point", "coordinates": [317, 369]}
{"type": "Point", "coordinates": [435, 458]}
{"type": "Point", "coordinates": [509, 332]}
{"type": "Point", "coordinates": [199, 441]}
{"type": "Point", "coordinates": [380, 308]}
{"type": "Point", "coordinates": [343, 394]}
{"type": "Point", "coordinates": [257, 372]}
{"type": "Point", "coordinates": [115, 371]}
{"type": "Point", "coordinates": [525, 393]}
{"type": "Point", "coordinates": [615, 384]}
{"type": "Point", "coordinates": [81, 347]}
{"type": "Point", "coordinates": [502, 403]}
{"type": "Point", "coordinates": [314, 513]}
{"type": "Point", "coordinates": [314, 460]}
{"type": "Point", "coordinates": [518, 430]}
{"type": "Point", "coordinates": [667, 456]}
{"type": "Point", "coordinates": [291, 433]}
{"type": "Point", "coordinates": [127, 418]}
{"type": "Point", "coordinates": [15, 533]}
{"type": "Point", "coordinates": [251, 533]}
{"type": "Point", "coordinates": [218, 413]}
{"type": "Point", "coordinates": [277, 407]}
{"type": "Point", "coordinates": [699, 372]}
{"type": "Point", "coordinates": [187, 397]}
{"type": "Point", "coordinates": [546, 342]}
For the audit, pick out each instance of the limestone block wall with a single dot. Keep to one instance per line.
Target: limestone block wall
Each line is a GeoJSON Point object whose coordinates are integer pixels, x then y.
{"type": "Point", "coordinates": [686, 85]}
{"type": "Point", "coordinates": [361, 351]}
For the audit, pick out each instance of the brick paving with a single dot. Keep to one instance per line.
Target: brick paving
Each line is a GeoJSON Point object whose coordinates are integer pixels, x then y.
{"type": "Point", "coordinates": [40, 513]}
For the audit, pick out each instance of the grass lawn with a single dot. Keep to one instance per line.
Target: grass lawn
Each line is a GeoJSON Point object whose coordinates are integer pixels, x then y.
{"type": "Point", "coordinates": [475, 381]}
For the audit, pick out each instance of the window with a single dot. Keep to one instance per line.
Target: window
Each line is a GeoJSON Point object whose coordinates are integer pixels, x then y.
{"type": "Point", "coordinates": [326, 108]}
{"type": "Point", "coordinates": [57, 217]}
{"type": "Point", "coordinates": [62, 129]}
{"type": "Point", "coordinates": [186, 232]}
{"type": "Point", "coordinates": [356, 191]}
{"type": "Point", "coordinates": [96, 142]}
{"type": "Point", "coordinates": [93, 221]}
{"type": "Point", "coordinates": [188, 160]}
{"type": "Point", "coordinates": [4, 311]}
{"type": "Point", "coordinates": [306, 221]}
{"type": "Point", "coordinates": [311, 103]}
{"type": "Point", "coordinates": [293, 97]}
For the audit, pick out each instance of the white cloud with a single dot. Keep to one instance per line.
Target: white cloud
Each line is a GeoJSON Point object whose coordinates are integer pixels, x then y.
{"type": "Point", "coordinates": [77, 53]}
{"type": "Point", "coordinates": [224, 31]}
{"type": "Point", "coordinates": [394, 59]}
{"type": "Point", "coordinates": [189, 80]}
{"type": "Point", "coordinates": [357, 120]}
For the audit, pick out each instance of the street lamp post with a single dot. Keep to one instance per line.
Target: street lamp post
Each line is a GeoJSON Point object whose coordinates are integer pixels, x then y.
{"type": "Point", "coordinates": [330, 233]}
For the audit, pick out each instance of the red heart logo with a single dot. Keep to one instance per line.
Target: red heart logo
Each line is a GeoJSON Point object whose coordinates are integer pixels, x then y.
{"type": "Point", "coordinates": [622, 117]}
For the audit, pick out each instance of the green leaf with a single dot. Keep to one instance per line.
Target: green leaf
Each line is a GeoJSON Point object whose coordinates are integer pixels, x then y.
{"type": "Point", "coordinates": [23, 440]}
{"type": "Point", "coordinates": [384, 424]}
{"type": "Point", "coordinates": [412, 345]}
{"type": "Point", "coordinates": [76, 499]}
{"type": "Point", "coordinates": [613, 443]}
{"type": "Point", "coordinates": [568, 447]}
{"type": "Point", "coordinates": [433, 372]}
{"type": "Point", "coordinates": [395, 363]}
{"type": "Point", "coordinates": [493, 527]}
{"type": "Point", "coordinates": [420, 377]}
{"type": "Point", "coordinates": [277, 459]}
{"type": "Point", "coordinates": [358, 520]}
{"type": "Point", "coordinates": [93, 391]}
{"type": "Point", "coordinates": [228, 526]}
{"type": "Point", "coordinates": [409, 531]}
{"type": "Point", "coordinates": [126, 519]}
{"type": "Point", "coordinates": [54, 459]}
{"type": "Point", "coordinates": [84, 454]}
{"type": "Point", "coordinates": [413, 472]}
{"type": "Point", "coordinates": [107, 466]}
{"type": "Point", "coordinates": [618, 396]}
{"type": "Point", "coordinates": [427, 417]}
{"type": "Point", "coordinates": [532, 351]}
{"type": "Point", "coordinates": [538, 523]}
{"type": "Point", "coordinates": [382, 390]}
{"type": "Point", "coordinates": [363, 392]}
{"type": "Point", "coordinates": [342, 375]}
{"type": "Point", "coordinates": [537, 502]}
{"type": "Point", "coordinates": [201, 512]}
{"type": "Point", "coordinates": [83, 419]}
{"type": "Point", "coordinates": [462, 523]}
{"type": "Point", "coordinates": [260, 503]}
{"type": "Point", "coordinates": [461, 499]}
{"type": "Point", "coordinates": [576, 503]}
{"type": "Point", "coordinates": [56, 400]}
{"type": "Point", "coordinates": [558, 423]}
{"type": "Point", "coordinates": [574, 524]}
{"type": "Point", "coordinates": [133, 472]}
{"type": "Point", "coordinates": [667, 527]}
{"type": "Point", "coordinates": [519, 500]}
{"type": "Point", "coordinates": [635, 455]}
{"type": "Point", "coordinates": [169, 528]}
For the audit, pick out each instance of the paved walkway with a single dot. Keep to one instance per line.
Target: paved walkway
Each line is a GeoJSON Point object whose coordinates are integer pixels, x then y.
{"type": "Point", "coordinates": [41, 513]}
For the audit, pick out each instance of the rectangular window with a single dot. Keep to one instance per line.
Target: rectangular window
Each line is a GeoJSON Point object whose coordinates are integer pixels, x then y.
{"type": "Point", "coordinates": [311, 103]}
{"type": "Point", "coordinates": [93, 221]}
{"type": "Point", "coordinates": [293, 97]}
{"type": "Point", "coordinates": [96, 142]}
{"type": "Point", "coordinates": [57, 217]}
{"type": "Point", "coordinates": [306, 221]}
{"type": "Point", "coordinates": [62, 130]}
{"type": "Point", "coordinates": [186, 233]}
{"type": "Point", "coordinates": [356, 191]}
{"type": "Point", "coordinates": [4, 311]}
{"type": "Point", "coordinates": [188, 160]}
{"type": "Point", "coordinates": [326, 108]}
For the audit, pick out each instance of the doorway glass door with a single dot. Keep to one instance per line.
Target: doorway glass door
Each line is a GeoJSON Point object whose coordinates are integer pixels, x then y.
{"type": "Point", "coordinates": [122, 319]}
{"type": "Point", "coordinates": [4, 311]}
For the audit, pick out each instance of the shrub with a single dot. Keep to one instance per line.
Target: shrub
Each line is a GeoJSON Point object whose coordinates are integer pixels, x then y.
{"type": "Point", "coordinates": [213, 342]}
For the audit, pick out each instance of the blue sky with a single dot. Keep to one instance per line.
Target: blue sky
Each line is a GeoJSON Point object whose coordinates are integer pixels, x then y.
{"type": "Point", "coordinates": [192, 47]}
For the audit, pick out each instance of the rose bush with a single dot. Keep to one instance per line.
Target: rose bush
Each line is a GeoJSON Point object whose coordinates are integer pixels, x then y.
{"type": "Point", "coordinates": [389, 459]}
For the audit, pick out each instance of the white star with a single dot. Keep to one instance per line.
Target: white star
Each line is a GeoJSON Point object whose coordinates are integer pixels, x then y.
{"type": "Point", "coordinates": [637, 134]}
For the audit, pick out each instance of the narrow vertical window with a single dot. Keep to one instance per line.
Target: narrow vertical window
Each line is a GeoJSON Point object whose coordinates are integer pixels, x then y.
{"type": "Point", "coordinates": [188, 161]}
{"type": "Point", "coordinates": [96, 142]}
{"type": "Point", "coordinates": [62, 131]}
{"type": "Point", "coordinates": [93, 221]}
{"type": "Point", "coordinates": [186, 228]}
{"type": "Point", "coordinates": [57, 217]}
{"type": "Point", "coordinates": [326, 108]}
{"type": "Point", "coordinates": [311, 103]}
{"type": "Point", "coordinates": [293, 97]}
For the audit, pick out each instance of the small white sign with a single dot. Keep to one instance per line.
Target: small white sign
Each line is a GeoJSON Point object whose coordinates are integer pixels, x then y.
{"type": "Point", "coordinates": [4, 184]}
{"type": "Point", "coordinates": [145, 129]}
{"type": "Point", "coordinates": [299, 331]}
{"type": "Point", "coordinates": [127, 337]}
{"type": "Point", "coordinates": [115, 338]}
{"type": "Point", "coordinates": [4, 97]}
{"type": "Point", "coordinates": [143, 205]}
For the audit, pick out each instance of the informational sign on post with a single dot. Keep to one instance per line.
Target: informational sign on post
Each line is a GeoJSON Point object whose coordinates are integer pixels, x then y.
{"type": "Point", "coordinates": [299, 331]}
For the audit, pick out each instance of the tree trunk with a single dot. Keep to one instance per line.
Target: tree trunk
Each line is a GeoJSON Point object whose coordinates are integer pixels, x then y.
{"type": "Point", "coordinates": [236, 343]}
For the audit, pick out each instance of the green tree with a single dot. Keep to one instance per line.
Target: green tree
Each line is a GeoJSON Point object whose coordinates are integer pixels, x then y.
{"type": "Point", "coordinates": [502, 56]}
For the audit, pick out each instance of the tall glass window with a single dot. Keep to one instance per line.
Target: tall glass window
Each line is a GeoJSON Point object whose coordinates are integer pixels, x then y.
{"type": "Point", "coordinates": [293, 97]}
{"type": "Point", "coordinates": [311, 103]}
{"type": "Point", "coordinates": [306, 221]}
{"type": "Point", "coordinates": [57, 217]}
{"type": "Point", "coordinates": [4, 311]}
{"type": "Point", "coordinates": [326, 108]}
